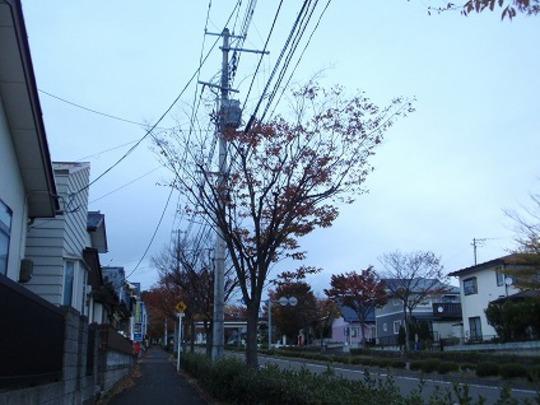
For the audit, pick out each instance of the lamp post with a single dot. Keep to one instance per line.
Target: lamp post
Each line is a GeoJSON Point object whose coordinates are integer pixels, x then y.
{"type": "Point", "coordinates": [283, 301]}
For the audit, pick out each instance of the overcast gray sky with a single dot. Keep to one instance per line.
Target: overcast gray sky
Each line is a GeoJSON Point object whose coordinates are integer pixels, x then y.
{"type": "Point", "coordinates": [443, 175]}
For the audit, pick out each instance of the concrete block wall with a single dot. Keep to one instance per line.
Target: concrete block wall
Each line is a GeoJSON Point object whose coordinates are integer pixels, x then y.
{"type": "Point", "coordinates": [76, 387]}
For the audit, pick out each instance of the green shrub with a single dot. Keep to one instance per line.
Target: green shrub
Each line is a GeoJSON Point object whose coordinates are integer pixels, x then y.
{"type": "Point", "coordinates": [534, 374]}
{"type": "Point", "coordinates": [445, 367]}
{"type": "Point", "coordinates": [416, 364]}
{"type": "Point", "coordinates": [430, 365]}
{"type": "Point", "coordinates": [487, 369]}
{"type": "Point", "coordinates": [468, 366]}
{"type": "Point", "coordinates": [512, 370]}
{"type": "Point", "coordinates": [397, 363]}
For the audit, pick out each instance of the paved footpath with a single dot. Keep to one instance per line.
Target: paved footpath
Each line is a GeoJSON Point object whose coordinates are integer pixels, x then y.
{"type": "Point", "coordinates": [158, 384]}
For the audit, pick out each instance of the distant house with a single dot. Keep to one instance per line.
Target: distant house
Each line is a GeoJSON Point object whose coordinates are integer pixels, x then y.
{"type": "Point", "coordinates": [27, 188]}
{"type": "Point", "coordinates": [120, 316]}
{"type": "Point", "coordinates": [347, 329]}
{"type": "Point", "coordinates": [57, 246]}
{"type": "Point", "coordinates": [481, 284]}
{"type": "Point", "coordinates": [441, 312]}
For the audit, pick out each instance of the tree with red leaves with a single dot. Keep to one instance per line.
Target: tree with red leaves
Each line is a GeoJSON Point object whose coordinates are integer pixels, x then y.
{"type": "Point", "coordinates": [285, 178]}
{"type": "Point", "coordinates": [510, 8]}
{"type": "Point", "coordinates": [290, 320]}
{"type": "Point", "coordinates": [362, 292]}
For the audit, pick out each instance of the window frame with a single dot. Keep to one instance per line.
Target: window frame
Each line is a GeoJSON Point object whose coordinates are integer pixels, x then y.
{"type": "Point", "coordinates": [398, 322]}
{"type": "Point", "coordinates": [385, 327]}
{"type": "Point", "coordinates": [467, 291]}
{"type": "Point", "coordinates": [72, 279]}
{"type": "Point", "coordinates": [499, 277]}
{"type": "Point", "coordinates": [5, 229]}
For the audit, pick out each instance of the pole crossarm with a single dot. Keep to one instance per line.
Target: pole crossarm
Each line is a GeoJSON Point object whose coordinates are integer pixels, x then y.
{"type": "Point", "coordinates": [217, 86]}
{"type": "Point", "coordinates": [245, 50]}
{"type": "Point", "coordinates": [220, 34]}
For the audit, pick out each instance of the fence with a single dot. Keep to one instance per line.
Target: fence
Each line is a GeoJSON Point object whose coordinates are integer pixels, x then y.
{"type": "Point", "coordinates": [50, 354]}
{"type": "Point", "coordinates": [31, 338]}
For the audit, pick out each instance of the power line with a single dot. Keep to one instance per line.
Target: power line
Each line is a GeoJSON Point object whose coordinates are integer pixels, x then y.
{"type": "Point", "coordinates": [149, 131]}
{"type": "Point", "coordinates": [304, 22]}
{"type": "Point", "coordinates": [277, 64]}
{"type": "Point", "coordinates": [82, 107]}
{"type": "Point", "coordinates": [301, 55]}
{"type": "Point", "coordinates": [126, 184]}
{"type": "Point", "coordinates": [154, 234]}
{"type": "Point", "coordinates": [264, 50]}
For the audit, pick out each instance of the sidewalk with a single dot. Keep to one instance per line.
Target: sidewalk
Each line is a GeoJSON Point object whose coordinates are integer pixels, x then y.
{"type": "Point", "coordinates": [159, 384]}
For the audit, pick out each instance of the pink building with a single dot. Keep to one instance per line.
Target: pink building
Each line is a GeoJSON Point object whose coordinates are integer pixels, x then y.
{"type": "Point", "coordinates": [347, 330]}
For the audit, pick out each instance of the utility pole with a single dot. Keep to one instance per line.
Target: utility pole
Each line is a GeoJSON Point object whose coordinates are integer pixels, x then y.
{"type": "Point", "coordinates": [476, 243]}
{"type": "Point", "coordinates": [229, 118]}
{"type": "Point", "coordinates": [219, 272]}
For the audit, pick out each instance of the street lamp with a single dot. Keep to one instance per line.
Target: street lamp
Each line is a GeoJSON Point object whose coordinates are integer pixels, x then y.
{"type": "Point", "coordinates": [283, 301]}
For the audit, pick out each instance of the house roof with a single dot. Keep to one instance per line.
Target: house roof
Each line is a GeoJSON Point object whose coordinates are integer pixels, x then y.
{"type": "Point", "coordinates": [20, 101]}
{"type": "Point", "coordinates": [513, 259]}
{"type": "Point", "coordinates": [522, 295]}
{"type": "Point", "coordinates": [420, 285]}
{"type": "Point", "coordinates": [95, 225]}
{"type": "Point", "coordinates": [349, 315]}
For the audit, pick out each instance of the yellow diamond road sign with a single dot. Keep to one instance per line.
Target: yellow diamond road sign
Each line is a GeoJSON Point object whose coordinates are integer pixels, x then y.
{"type": "Point", "coordinates": [181, 307]}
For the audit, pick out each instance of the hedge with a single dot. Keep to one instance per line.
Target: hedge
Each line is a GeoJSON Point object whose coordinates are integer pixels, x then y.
{"type": "Point", "coordinates": [512, 370]}
{"type": "Point", "coordinates": [230, 381]}
{"type": "Point", "coordinates": [487, 369]}
{"type": "Point", "coordinates": [445, 367]}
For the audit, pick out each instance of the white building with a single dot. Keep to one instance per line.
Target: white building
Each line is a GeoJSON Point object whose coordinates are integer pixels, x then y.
{"type": "Point", "coordinates": [479, 285]}
{"type": "Point", "coordinates": [27, 188]}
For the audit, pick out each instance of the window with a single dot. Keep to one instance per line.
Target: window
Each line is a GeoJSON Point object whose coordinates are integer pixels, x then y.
{"type": "Point", "coordinates": [5, 231]}
{"type": "Point", "coordinates": [470, 286]}
{"type": "Point", "coordinates": [500, 277]}
{"type": "Point", "coordinates": [69, 274]}
{"type": "Point", "coordinates": [385, 327]}
{"type": "Point", "coordinates": [354, 332]}
{"type": "Point", "coordinates": [397, 325]}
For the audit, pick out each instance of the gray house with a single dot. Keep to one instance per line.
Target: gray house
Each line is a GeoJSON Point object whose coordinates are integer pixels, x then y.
{"type": "Point", "coordinates": [441, 312]}
{"type": "Point", "coordinates": [56, 246]}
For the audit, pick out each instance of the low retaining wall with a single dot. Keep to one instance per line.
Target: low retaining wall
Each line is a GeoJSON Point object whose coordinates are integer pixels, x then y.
{"type": "Point", "coordinates": [532, 347]}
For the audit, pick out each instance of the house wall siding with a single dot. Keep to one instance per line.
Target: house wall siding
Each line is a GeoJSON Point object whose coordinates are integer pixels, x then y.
{"type": "Point", "coordinates": [13, 194]}
{"type": "Point", "coordinates": [51, 241]}
{"type": "Point", "coordinates": [474, 305]}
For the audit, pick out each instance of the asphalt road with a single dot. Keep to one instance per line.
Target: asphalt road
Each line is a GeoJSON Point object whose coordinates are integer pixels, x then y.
{"type": "Point", "coordinates": [406, 383]}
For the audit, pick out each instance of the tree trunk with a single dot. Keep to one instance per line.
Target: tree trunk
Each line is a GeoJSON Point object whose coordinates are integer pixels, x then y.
{"type": "Point", "coordinates": [251, 343]}
{"type": "Point", "coordinates": [192, 342]}
{"type": "Point", "coordinates": [407, 332]}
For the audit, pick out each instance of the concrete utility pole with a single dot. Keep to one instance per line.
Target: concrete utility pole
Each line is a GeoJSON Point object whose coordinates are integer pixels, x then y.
{"type": "Point", "coordinates": [229, 118]}
{"type": "Point", "coordinates": [219, 277]}
{"type": "Point", "coordinates": [476, 243]}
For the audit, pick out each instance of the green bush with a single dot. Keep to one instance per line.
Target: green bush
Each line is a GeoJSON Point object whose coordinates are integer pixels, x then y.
{"type": "Point", "coordinates": [397, 363]}
{"type": "Point", "coordinates": [468, 366]}
{"type": "Point", "coordinates": [487, 369]}
{"type": "Point", "coordinates": [445, 367]}
{"type": "Point", "coordinates": [512, 370]}
{"type": "Point", "coordinates": [534, 374]}
{"type": "Point", "coordinates": [416, 364]}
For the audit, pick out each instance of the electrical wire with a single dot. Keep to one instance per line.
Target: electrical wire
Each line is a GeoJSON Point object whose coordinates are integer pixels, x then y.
{"type": "Point", "coordinates": [264, 50]}
{"type": "Point", "coordinates": [82, 107]}
{"type": "Point", "coordinates": [126, 184]}
{"type": "Point", "coordinates": [276, 65]}
{"type": "Point", "coordinates": [316, 26]}
{"type": "Point", "coordinates": [153, 234]}
{"type": "Point", "coordinates": [162, 116]}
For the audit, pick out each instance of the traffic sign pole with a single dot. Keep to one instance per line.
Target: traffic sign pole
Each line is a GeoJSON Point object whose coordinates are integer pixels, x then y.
{"type": "Point", "coordinates": [179, 340]}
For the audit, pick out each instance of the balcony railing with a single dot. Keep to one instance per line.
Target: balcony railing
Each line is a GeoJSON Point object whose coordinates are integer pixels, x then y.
{"type": "Point", "coordinates": [447, 310]}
